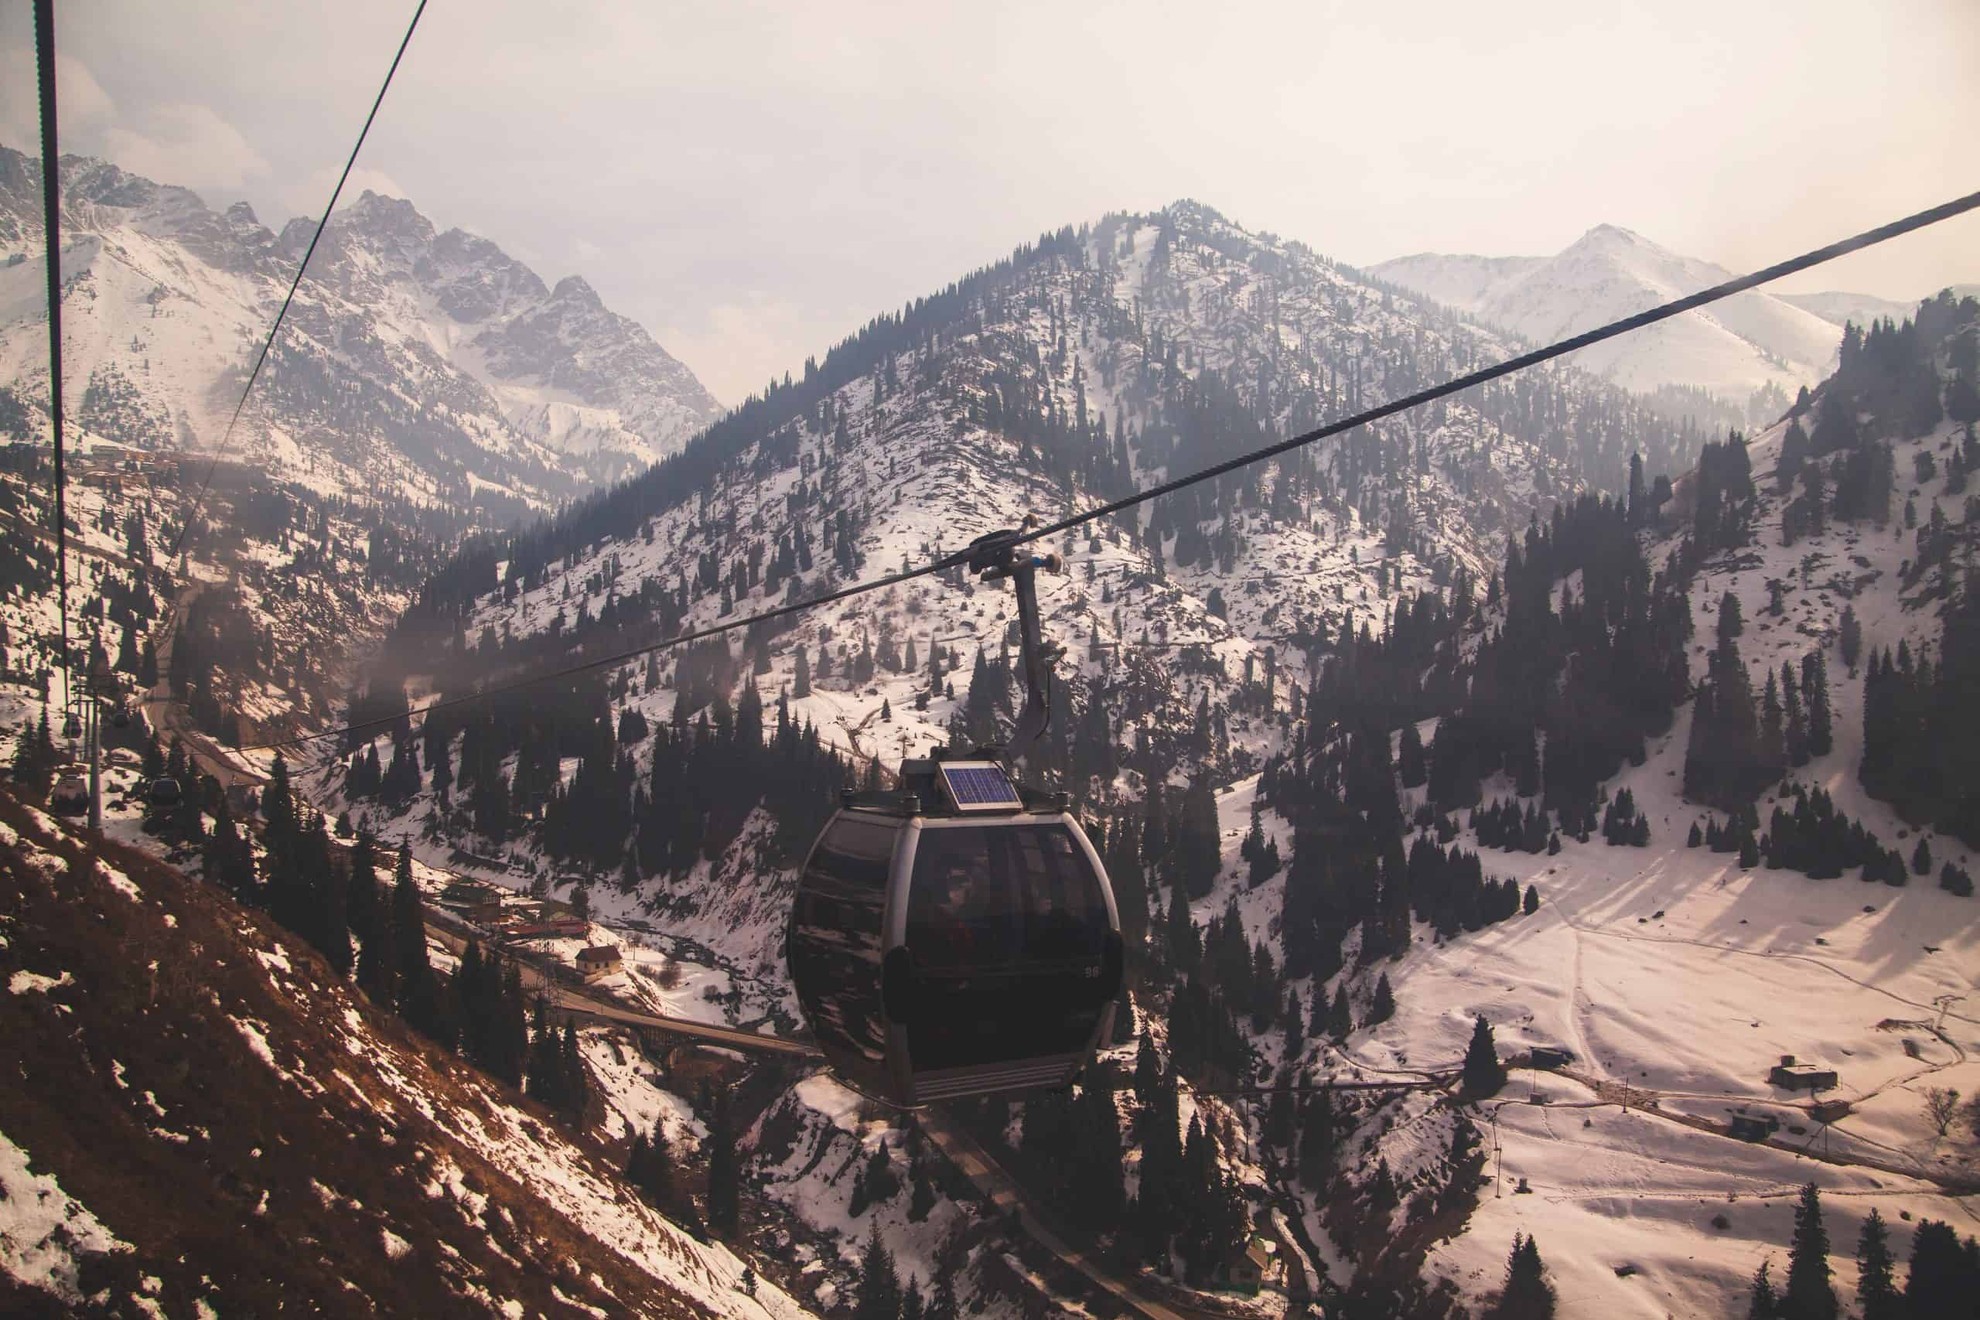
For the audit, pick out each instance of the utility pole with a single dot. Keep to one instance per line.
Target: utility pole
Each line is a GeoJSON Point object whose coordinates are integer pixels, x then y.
{"type": "Point", "coordinates": [98, 672]}
{"type": "Point", "coordinates": [51, 209]}
{"type": "Point", "coordinates": [1499, 1158]}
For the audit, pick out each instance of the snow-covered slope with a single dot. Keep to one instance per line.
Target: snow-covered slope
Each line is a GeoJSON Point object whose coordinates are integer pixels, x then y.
{"type": "Point", "coordinates": [1843, 308]}
{"type": "Point", "coordinates": [1142, 347]}
{"type": "Point", "coordinates": [1751, 342]}
{"type": "Point", "coordinates": [411, 360]}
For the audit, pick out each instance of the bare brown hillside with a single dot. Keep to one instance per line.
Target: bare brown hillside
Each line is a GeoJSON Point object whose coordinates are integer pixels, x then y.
{"type": "Point", "coordinates": [262, 1141]}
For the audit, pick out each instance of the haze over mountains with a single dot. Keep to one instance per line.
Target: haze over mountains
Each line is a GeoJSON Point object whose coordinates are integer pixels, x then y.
{"type": "Point", "coordinates": [1756, 343]}
{"type": "Point", "coordinates": [1342, 724]}
{"type": "Point", "coordinates": [428, 362]}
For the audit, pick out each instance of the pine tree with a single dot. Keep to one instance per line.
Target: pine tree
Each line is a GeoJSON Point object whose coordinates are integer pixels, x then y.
{"type": "Point", "coordinates": [1185, 943]}
{"type": "Point", "coordinates": [1340, 1019]}
{"type": "Point", "coordinates": [942, 1306]}
{"type": "Point", "coordinates": [1808, 1295]}
{"type": "Point", "coordinates": [1527, 1294]}
{"type": "Point", "coordinates": [1942, 1279]}
{"type": "Point", "coordinates": [1815, 696]}
{"type": "Point", "coordinates": [1158, 1209]}
{"type": "Point", "coordinates": [1762, 1302]}
{"type": "Point", "coordinates": [545, 1073]}
{"type": "Point", "coordinates": [801, 681]}
{"type": "Point", "coordinates": [723, 1174]}
{"type": "Point", "coordinates": [1409, 760]}
{"type": "Point", "coordinates": [573, 1081]}
{"type": "Point", "coordinates": [1317, 1138]}
{"type": "Point", "coordinates": [1849, 638]}
{"type": "Point", "coordinates": [1147, 1069]}
{"type": "Point", "coordinates": [1532, 903]}
{"type": "Point", "coordinates": [377, 966]}
{"type": "Point", "coordinates": [879, 1285]}
{"type": "Point", "coordinates": [1876, 1293]}
{"type": "Point", "coordinates": [418, 988]}
{"type": "Point", "coordinates": [1482, 1072]}
{"type": "Point", "coordinates": [1384, 1006]}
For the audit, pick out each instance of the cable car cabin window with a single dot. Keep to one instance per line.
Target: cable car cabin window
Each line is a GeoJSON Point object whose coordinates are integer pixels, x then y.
{"type": "Point", "coordinates": [835, 946]}
{"type": "Point", "coordinates": [1008, 927]}
{"type": "Point", "coordinates": [997, 896]}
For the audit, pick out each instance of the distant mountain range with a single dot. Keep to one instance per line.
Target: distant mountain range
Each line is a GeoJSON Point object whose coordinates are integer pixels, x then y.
{"type": "Point", "coordinates": [1756, 342]}
{"type": "Point", "coordinates": [432, 360]}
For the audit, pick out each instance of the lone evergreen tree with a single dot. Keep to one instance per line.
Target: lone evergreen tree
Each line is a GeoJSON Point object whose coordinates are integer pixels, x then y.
{"type": "Point", "coordinates": [1527, 1294]}
{"type": "Point", "coordinates": [1942, 1280]}
{"type": "Point", "coordinates": [1340, 1019]}
{"type": "Point", "coordinates": [1875, 1290]}
{"type": "Point", "coordinates": [1808, 1295]}
{"type": "Point", "coordinates": [1384, 1006]}
{"type": "Point", "coordinates": [879, 1285]}
{"type": "Point", "coordinates": [1483, 1073]}
{"type": "Point", "coordinates": [1762, 1304]}
{"type": "Point", "coordinates": [1849, 638]}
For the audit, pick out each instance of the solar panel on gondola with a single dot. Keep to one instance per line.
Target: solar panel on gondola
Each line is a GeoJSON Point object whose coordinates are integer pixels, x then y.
{"type": "Point", "coordinates": [957, 936]}
{"type": "Point", "coordinates": [979, 786]}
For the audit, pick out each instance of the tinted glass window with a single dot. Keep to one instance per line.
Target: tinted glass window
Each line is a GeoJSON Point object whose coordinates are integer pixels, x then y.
{"type": "Point", "coordinates": [971, 1021]}
{"type": "Point", "coordinates": [1003, 896]}
{"type": "Point", "coordinates": [835, 947]}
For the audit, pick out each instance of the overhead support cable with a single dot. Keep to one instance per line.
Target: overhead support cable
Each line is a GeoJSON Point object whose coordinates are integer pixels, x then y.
{"type": "Point", "coordinates": [1457, 385]}
{"type": "Point", "coordinates": [261, 358]}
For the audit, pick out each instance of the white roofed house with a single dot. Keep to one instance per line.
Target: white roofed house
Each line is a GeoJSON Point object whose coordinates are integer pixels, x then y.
{"type": "Point", "coordinates": [598, 962]}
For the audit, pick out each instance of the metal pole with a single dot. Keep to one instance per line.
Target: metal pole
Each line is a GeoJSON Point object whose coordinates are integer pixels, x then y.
{"type": "Point", "coordinates": [51, 216]}
{"type": "Point", "coordinates": [95, 750]}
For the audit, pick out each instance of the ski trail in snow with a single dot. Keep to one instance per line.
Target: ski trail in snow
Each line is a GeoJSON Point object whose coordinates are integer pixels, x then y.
{"type": "Point", "coordinates": [1578, 1001]}
{"type": "Point", "coordinates": [1759, 953]}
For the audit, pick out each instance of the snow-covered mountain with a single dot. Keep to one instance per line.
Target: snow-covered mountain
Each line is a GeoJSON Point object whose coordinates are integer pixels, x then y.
{"type": "Point", "coordinates": [420, 362]}
{"type": "Point", "coordinates": [1141, 347]}
{"type": "Point", "coordinates": [1213, 636]}
{"type": "Point", "coordinates": [1750, 343]}
{"type": "Point", "coordinates": [1843, 308]}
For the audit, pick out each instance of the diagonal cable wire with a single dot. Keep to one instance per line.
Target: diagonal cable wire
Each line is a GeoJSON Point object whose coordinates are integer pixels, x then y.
{"type": "Point", "coordinates": [227, 439]}
{"type": "Point", "coordinates": [1456, 385]}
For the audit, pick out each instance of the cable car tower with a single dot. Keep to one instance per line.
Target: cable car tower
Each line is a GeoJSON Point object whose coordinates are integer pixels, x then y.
{"type": "Point", "coordinates": [957, 935]}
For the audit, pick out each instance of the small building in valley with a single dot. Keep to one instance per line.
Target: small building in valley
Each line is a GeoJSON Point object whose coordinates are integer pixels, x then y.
{"type": "Point", "coordinates": [598, 962]}
{"type": "Point", "coordinates": [1790, 1075]}
{"type": "Point", "coordinates": [1754, 1127]}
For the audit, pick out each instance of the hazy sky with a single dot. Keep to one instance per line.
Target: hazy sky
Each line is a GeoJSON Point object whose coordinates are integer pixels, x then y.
{"type": "Point", "coordinates": [752, 182]}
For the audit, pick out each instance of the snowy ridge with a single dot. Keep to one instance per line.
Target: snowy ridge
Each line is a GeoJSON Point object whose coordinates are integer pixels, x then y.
{"type": "Point", "coordinates": [1751, 342]}
{"type": "Point", "coordinates": [1109, 330]}
{"type": "Point", "coordinates": [411, 360]}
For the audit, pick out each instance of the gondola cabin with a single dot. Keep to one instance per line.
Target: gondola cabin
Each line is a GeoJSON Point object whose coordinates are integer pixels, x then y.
{"type": "Point", "coordinates": [955, 938]}
{"type": "Point", "coordinates": [70, 796]}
